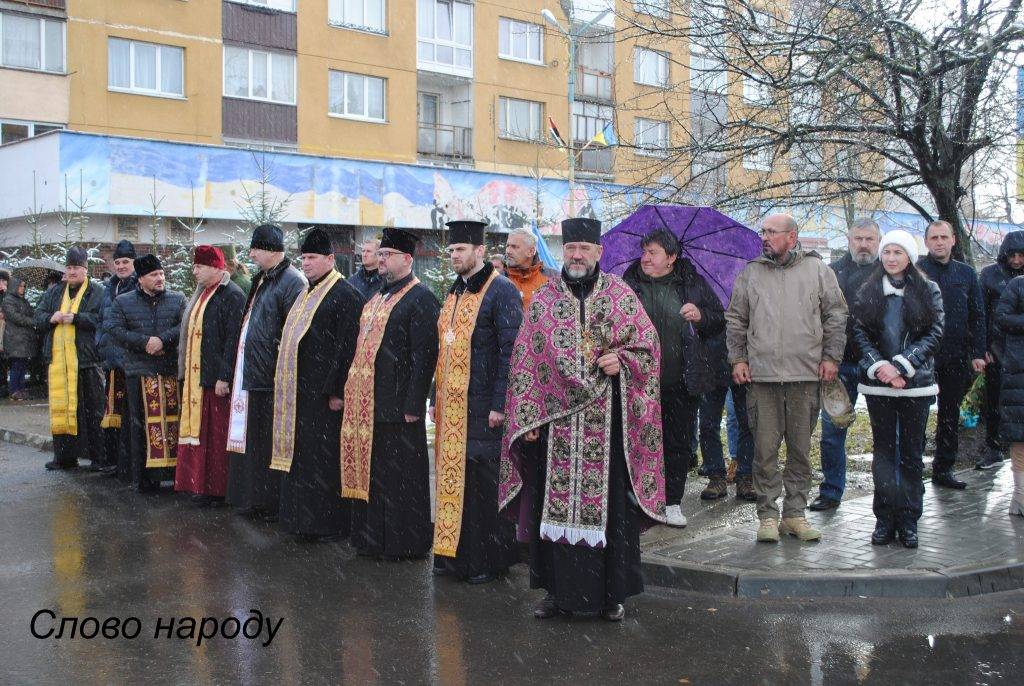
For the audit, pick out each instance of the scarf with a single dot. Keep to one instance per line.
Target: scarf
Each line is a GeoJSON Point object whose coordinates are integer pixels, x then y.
{"type": "Point", "coordinates": [63, 371]}
{"type": "Point", "coordinates": [357, 421]}
{"type": "Point", "coordinates": [161, 405]}
{"type": "Point", "coordinates": [455, 331]}
{"type": "Point", "coordinates": [554, 381]}
{"type": "Point", "coordinates": [300, 317]}
{"type": "Point", "coordinates": [192, 396]}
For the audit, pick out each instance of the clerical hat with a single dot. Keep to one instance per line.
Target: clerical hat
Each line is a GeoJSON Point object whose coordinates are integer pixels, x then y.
{"type": "Point", "coordinates": [124, 248]}
{"type": "Point", "coordinates": [466, 231]}
{"type": "Point", "coordinates": [317, 242]}
{"type": "Point", "coordinates": [581, 230]}
{"type": "Point", "coordinates": [146, 264]}
{"type": "Point", "coordinates": [268, 237]}
{"type": "Point", "coordinates": [399, 239]}
{"type": "Point", "coordinates": [76, 257]}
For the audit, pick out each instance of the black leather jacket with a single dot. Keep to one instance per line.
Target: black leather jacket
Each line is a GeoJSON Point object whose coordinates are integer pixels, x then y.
{"type": "Point", "coordinates": [271, 297]}
{"type": "Point", "coordinates": [911, 352]}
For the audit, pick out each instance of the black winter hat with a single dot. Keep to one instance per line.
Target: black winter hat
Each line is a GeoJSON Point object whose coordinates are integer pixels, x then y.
{"type": "Point", "coordinates": [147, 264]}
{"type": "Point", "coordinates": [76, 258]}
{"type": "Point", "coordinates": [124, 249]}
{"type": "Point", "coordinates": [581, 230]}
{"type": "Point", "coordinates": [268, 237]}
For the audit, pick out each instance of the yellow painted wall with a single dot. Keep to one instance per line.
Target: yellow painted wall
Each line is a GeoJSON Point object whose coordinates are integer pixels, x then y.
{"type": "Point", "coordinates": [33, 96]}
{"type": "Point", "coordinates": [195, 26]}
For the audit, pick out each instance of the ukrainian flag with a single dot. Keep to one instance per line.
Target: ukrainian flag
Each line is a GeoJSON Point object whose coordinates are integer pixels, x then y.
{"type": "Point", "coordinates": [606, 137]}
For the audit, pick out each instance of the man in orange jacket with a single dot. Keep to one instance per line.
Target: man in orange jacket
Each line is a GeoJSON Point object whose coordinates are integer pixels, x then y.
{"type": "Point", "coordinates": [522, 265]}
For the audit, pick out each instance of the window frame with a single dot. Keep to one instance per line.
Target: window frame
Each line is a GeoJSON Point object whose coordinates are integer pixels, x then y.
{"type": "Point", "coordinates": [663, 56]}
{"type": "Point", "coordinates": [503, 103]}
{"type": "Point", "coordinates": [445, 67]}
{"type": "Point", "coordinates": [366, 90]}
{"type": "Point", "coordinates": [511, 29]}
{"type": "Point", "coordinates": [382, 31]}
{"type": "Point", "coordinates": [267, 6]}
{"type": "Point", "coordinates": [270, 76]}
{"type": "Point", "coordinates": [652, 8]}
{"type": "Point", "coordinates": [132, 89]}
{"type": "Point", "coordinates": [650, 151]}
{"type": "Point", "coordinates": [754, 160]}
{"type": "Point", "coordinates": [41, 21]}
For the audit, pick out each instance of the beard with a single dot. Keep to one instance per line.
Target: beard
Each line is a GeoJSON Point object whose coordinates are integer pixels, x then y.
{"type": "Point", "coordinates": [466, 268]}
{"type": "Point", "coordinates": [862, 258]}
{"type": "Point", "coordinates": [579, 270]}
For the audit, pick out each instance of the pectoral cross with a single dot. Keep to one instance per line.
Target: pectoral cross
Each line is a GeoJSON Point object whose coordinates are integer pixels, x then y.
{"type": "Point", "coordinates": [449, 337]}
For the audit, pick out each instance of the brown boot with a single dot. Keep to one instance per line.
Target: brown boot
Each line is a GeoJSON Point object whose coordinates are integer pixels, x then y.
{"type": "Point", "coordinates": [745, 488]}
{"type": "Point", "coordinates": [716, 488]}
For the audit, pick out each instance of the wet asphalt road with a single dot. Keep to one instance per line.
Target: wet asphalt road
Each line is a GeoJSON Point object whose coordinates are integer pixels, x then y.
{"type": "Point", "coordinates": [81, 545]}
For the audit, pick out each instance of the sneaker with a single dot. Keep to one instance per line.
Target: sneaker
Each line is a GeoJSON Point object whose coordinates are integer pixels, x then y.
{"type": "Point", "coordinates": [798, 526]}
{"type": "Point", "coordinates": [730, 471]}
{"type": "Point", "coordinates": [992, 459]}
{"type": "Point", "coordinates": [768, 531]}
{"type": "Point", "coordinates": [674, 516]}
{"type": "Point", "coordinates": [745, 488]}
{"type": "Point", "coordinates": [716, 488]}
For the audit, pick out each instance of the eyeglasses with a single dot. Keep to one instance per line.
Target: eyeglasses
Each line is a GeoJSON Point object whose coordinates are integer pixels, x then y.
{"type": "Point", "coordinates": [385, 254]}
{"type": "Point", "coordinates": [772, 232]}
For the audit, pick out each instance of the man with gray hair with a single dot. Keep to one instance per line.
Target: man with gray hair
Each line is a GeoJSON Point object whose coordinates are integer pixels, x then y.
{"type": "Point", "coordinates": [785, 332]}
{"type": "Point", "coordinates": [522, 264]}
{"type": "Point", "coordinates": [851, 271]}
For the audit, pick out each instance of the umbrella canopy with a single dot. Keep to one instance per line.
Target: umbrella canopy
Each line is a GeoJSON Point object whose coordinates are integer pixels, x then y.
{"type": "Point", "coordinates": [34, 272]}
{"type": "Point", "coordinates": [716, 245]}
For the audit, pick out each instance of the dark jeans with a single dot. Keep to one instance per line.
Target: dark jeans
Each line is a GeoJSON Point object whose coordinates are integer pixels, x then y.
{"type": "Point", "coordinates": [897, 429]}
{"type": "Point", "coordinates": [678, 413]}
{"type": "Point", "coordinates": [993, 386]}
{"type": "Point", "coordinates": [19, 366]}
{"type": "Point", "coordinates": [711, 405]}
{"type": "Point", "coordinates": [833, 441]}
{"type": "Point", "coordinates": [954, 381]}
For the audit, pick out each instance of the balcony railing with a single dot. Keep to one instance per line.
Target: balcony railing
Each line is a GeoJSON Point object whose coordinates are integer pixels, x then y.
{"type": "Point", "coordinates": [599, 160]}
{"type": "Point", "coordinates": [594, 84]}
{"type": "Point", "coordinates": [445, 140]}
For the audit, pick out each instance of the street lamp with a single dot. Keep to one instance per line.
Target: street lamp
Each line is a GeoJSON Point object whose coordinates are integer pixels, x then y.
{"type": "Point", "coordinates": [572, 36]}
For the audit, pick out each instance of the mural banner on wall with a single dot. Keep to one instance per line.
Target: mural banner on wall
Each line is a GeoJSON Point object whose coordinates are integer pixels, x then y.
{"type": "Point", "coordinates": [123, 175]}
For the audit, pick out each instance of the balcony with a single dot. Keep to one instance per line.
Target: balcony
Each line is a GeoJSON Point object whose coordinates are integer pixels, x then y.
{"type": "Point", "coordinates": [596, 161]}
{"type": "Point", "coordinates": [445, 140]}
{"type": "Point", "coordinates": [594, 84]}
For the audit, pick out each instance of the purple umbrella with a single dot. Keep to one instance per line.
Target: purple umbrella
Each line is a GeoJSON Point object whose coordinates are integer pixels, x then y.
{"type": "Point", "coordinates": [717, 246]}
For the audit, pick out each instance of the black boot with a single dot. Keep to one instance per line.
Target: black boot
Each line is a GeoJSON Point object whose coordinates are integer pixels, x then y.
{"type": "Point", "coordinates": [884, 533]}
{"type": "Point", "coordinates": [908, 535]}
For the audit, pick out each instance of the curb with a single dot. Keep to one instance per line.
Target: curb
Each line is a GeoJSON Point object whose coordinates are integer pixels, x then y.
{"type": "Point", "coordinates": [882, 583]}
{"type": "Point", "coordinates": [24, 438]}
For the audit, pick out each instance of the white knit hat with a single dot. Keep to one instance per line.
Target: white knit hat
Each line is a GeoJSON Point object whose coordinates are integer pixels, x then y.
{"type": "Point", "coordinates": [902, 239]}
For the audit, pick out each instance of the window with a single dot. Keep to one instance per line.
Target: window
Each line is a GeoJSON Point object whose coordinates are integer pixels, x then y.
{"type": "Point", "coordinates": [259, 75]}
{"type": "Point", "coordinates": [128, 228]}
{"type": "Point", "coordinates": [709, 113]}
{"type": "Point", "coordinates": [805, 165]}
{"type": "Point", "coordinates": [367, 15]}
{"type": "Point", "coordinates": [13, 130]}
{"type": "Point", "coordinates": [650, 136]}
{"type": "Point", "coordinates": [355, 95]}
{"type": "Point", "coordinates": [758, 157]}
{"type": "Point", "coordinates": [707, 73]}
{"type": "Point", "coordinates": [756, 92]}
{"type": "Point", "coordinates": [520, 119]}
{"type": "Point", "coordinates": [650, 67]}
{"type": "Point", "coordinates": [445, 36]}
{"type": "Point", "coordinates": [655, 8]}
{"type": "Point", "coordinates": [31, 43]}
{"type": "Point", "coordinates": [283, 5]}
{"type": "Point", "coordinates": [145, 68]}
{"type": "Point", "coordinates": [589, 119]}
{"type": "Point", "coordinates": [520, 40]}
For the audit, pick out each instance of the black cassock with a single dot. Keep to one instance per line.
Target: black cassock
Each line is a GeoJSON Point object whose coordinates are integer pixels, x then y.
{"type": "Point", "coordinates": [396, 521]}
{"type": "Point", "coordinates": [311, 501]}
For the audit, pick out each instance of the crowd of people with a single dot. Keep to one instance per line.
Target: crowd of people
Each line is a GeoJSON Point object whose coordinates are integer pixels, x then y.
{"type": "Point", "coordinates": [566, 406]}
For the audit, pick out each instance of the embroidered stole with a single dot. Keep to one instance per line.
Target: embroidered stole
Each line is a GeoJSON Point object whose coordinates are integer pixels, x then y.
{"type": "Point", "coordinates": [300, 317]}
{"type": "Point", "coordinates": [192, 392]}
{"type": "Point", "coordinates": [160, 399]}
{"type": "Point", "coordinates": [357, 422]}
{"type": "Point", "coordinates": [115, 400]}
{"type": "Point", "coordinates": [455, 329]}
{"type": "Point", "coordinates": [63, 371]}
{"type": "Point", "coordinates": [238, 420]}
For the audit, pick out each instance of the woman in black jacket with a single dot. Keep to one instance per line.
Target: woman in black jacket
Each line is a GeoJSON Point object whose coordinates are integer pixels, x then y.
{"type": "Point", "coordinates": [897, 326]}
{"type": "Point", "coordinates": [1009, 316]}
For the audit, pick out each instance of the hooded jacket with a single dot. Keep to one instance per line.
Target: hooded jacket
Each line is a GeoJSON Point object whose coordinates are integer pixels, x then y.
{"type": "Point", "coordinates": [20, 339]}
{"type": "Point", "coordinates": [994, 279]}
{"type": "Point", "coordinates": [785, 318]}
{"type": "Point", "coordinates": [700, 347]}
{"type": "Point", "coordinates": [1009, 316]}
{"type": "Point", "coordinates": [528, 279]}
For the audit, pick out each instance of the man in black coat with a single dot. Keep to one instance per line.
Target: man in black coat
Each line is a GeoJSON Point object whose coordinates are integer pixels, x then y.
{"type": "Point", "coordinates": [122, 281]}
{"type": "Point", "coordinates": [961, 354]}
{"type": "Point", "coordinates": [852, 270]}
{"type": "Point", "coordinates": [477, 327]}
{"type": "Point", "coordinates": [317, 345]}
{"type": "Point", "coordinates": [146, 324]}
{"type": "Point", "coordinates": [69, 314]}
{"type": "Point", "coordinates": [367, 279]}
{"type": "Point", "coordinates": [383, 436]}
{"type": "Point", "coordinates": [688, 317]}
{"type": "Point", "coordinates": [252, 485]}
{"type": "Point", "coordinates": [993, 278]}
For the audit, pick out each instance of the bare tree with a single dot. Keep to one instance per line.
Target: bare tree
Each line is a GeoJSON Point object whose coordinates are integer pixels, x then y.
{"type": "Point", "coordinates": [810, 102]}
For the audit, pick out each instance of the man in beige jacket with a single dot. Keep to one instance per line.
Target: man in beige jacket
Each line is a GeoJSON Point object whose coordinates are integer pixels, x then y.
{"type": "Point", "coordinates": [786, 332]}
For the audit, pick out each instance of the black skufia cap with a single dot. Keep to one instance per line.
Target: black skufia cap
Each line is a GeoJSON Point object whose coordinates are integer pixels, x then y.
{"type": "Point", "coordinates": [399, 239]}
{"type": "Point", "coordinates": [581, 230]}
{"type": "Point", "coordinates": [466, 231]}
{"type": "Point", "coordinates": [317, 242]}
